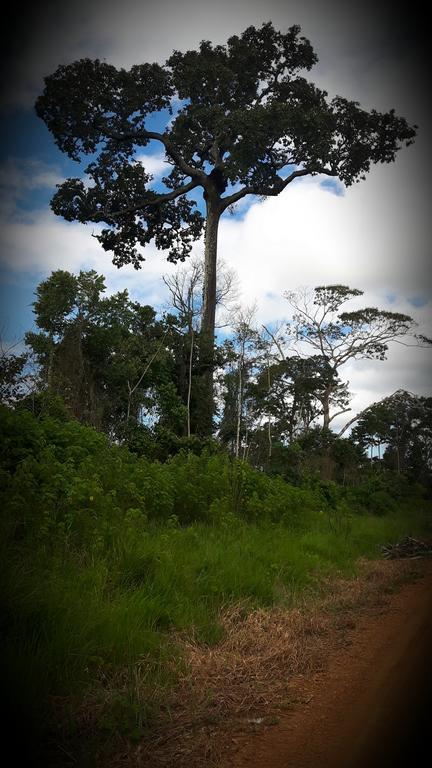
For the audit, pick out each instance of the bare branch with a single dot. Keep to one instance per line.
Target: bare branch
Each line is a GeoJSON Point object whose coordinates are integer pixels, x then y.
{"type": "Point", "coordinates": [276, 342]}
{"type": "Point", "coordinates": [361, 413]}
{"type": "Point", "coordinates": [131, 390]}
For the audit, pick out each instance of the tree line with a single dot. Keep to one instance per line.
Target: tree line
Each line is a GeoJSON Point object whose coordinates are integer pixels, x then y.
{"type": "Point", "coordinates": [136, 374]}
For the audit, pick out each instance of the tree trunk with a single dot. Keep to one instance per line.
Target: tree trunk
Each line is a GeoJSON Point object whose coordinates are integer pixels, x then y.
{"type": "Point", "coordinates": [50, 372]}
{"type": "Point", "coordinates": [208, 316]}
{"type": "Point", "coordinates": [239, 403]}
{"type": "Point", "coordinates": [326, 408]}
{"type": "Point", "coordinates": [269, 434]}
{"type": "Point", "coordinates": [190, 380]}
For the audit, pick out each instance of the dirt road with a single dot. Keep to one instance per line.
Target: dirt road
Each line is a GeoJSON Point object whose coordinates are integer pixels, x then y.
{"type": "Point", "coordinates": [370, 706]}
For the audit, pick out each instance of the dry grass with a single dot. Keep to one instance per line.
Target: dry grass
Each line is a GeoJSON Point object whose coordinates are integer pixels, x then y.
{"type": "Point", "coordinates": [250, 676]}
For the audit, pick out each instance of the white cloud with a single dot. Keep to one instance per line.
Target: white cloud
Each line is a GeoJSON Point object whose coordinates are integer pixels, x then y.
{"type": "Point", "coordinates": [41, 242]}
{"type": "Point", "coordinates": [24, 174]}
{"type": "Point", "coordinates": [308, 236]}
{"type": "Point", "coordinates": [154, 164]}
{"type": "Point", "coordinates": [19, 176]}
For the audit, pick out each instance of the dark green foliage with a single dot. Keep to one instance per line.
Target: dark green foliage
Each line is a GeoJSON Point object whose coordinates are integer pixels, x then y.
{"type": "Point", "coordinates": [375, 494]}
{"type": "Point", "coordinates": [107, 357]}
{"type": "Point", "coordinates": [291, 391]}
{"type": "Point", "coordinates": [402, 425]}
{"type": "Point", "coordinates": [12, 376]}
{"type": "Point", "coordinates": [246, 114]}
{"type": "Point", "coordinates": [69, 484]}
{"type": "Point", "coordinates": [68, 481]}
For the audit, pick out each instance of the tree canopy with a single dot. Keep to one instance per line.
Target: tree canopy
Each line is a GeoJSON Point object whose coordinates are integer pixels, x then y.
{"type": "Point", "coordinates": [242, 115]}
{"type": "Point", "coordinates": [402, 424]}
{"type": "Point", "coordinates": [107, 357]}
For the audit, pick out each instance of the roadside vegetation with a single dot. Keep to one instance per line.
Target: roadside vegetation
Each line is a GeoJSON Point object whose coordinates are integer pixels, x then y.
{"type": "Point", "coordinates": [108, 558]}
{"type": "Point", "coordinates": [130, 538]}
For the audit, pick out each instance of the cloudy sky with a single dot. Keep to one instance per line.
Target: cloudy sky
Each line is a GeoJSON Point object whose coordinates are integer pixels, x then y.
{"type": "Point", "coordinates": [372, 236]}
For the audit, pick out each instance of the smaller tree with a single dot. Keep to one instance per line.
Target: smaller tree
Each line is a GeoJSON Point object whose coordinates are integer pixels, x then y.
{"type": "Point", "coordinates": [320, 323]}
{"type": "Point", "coordinates": [107, 357]}
{"type": "Point", "coordinates": [291, 391]}
{"type": "Point", "coordinates": [242, 354]}
{"type": "Point", "coordinates": [373, 428]}
{"type": "Point", "coordinates": [186, 287]}
{"type": "Point", "coordinates": [402, 424]}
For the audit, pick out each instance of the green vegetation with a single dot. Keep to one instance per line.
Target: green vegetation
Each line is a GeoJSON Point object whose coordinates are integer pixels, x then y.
{"type": "Point", "coordinates": [107, 555]}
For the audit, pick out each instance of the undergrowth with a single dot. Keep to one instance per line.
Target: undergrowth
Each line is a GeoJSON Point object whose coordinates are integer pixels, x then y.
{"type": "Point", "coordinates": [107, 557]}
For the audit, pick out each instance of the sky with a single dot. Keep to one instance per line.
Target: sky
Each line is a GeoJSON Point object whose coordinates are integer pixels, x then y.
{"type": "Point", "coordinates": [373, 236]}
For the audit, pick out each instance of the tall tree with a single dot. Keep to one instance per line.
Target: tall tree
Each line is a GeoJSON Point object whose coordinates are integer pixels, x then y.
{"type": "Point", "coordinates": [320, 323]}
{"type": "Point", "coordinates": [244, 121]}
{"type": "Point", "coordinates": [291, 391]}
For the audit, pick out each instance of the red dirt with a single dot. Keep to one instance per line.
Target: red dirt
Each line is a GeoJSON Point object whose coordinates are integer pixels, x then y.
{"type": "Point", "coordinates": [372, 703]}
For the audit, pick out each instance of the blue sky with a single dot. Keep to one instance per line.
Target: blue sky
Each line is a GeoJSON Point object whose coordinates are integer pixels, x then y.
{"type": "Point", "coordinates": [373, 236]}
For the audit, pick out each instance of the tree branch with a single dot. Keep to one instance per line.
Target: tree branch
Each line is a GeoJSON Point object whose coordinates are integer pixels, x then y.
{"type": "Point", "coordinates": [131, 390]}
{"type": "Point", "coordinates": [268, 191]}
{"type": "Point", "coordinates": [339, 413]}
{"type": "Point", "coordinates": [140, 204]}
{"type": "Point", "coordinates": [174, 154]}
{"type": "Point", "coordinates": [359, 415]}
{"type": "Point", "coordinates": [275, 342]}
{"type": "Point", "coordinates": [235, 197]}
{"type": "Point", "coordinates": [305, 172]}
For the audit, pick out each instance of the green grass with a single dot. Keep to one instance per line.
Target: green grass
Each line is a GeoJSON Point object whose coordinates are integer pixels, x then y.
{"type": "Point", "coordinates": [72, 625]}
{"type": "Point", "coordinates": [105, 558]}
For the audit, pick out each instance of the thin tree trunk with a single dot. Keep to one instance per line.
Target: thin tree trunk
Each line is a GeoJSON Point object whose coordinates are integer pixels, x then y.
{"type": "Point", "coordinates": [239, 404]}
{"type": "Point", "coordinates": [131, 390]}
{"type": "Point", "coordinates": [50, 372]}
{"type": "Point", "coordinates": [208, 314]}
{"type": "Point", "coordinates": [246, 442]}
{"type": "Point", "coordinates": [190, 381]}
{"type": "Point", "coordinates": [326, 409]}
{"type": "Point", "coordinates": [268, 415]}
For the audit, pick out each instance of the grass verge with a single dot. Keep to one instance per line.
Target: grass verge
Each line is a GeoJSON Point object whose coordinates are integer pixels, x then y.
{"type": "Point", "coordinates": [102, 653]}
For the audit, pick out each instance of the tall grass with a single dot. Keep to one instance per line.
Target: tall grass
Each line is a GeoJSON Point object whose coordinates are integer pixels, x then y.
{"type": "Point", "coordinates": [104, 562]}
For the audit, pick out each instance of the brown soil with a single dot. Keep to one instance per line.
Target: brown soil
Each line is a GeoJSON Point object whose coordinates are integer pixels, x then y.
{"type": "Point", "coordinates": [340, 681]}
{"type": "Point", "coordinates": [372, 703]}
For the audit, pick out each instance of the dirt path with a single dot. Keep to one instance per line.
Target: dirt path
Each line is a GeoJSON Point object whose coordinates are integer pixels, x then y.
{"type": "Point", "coordinates": [370, 706]}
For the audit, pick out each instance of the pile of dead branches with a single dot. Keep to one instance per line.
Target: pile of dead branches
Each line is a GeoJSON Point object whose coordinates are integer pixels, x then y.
{"type": "Point", "coordinates": [407, 547]}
